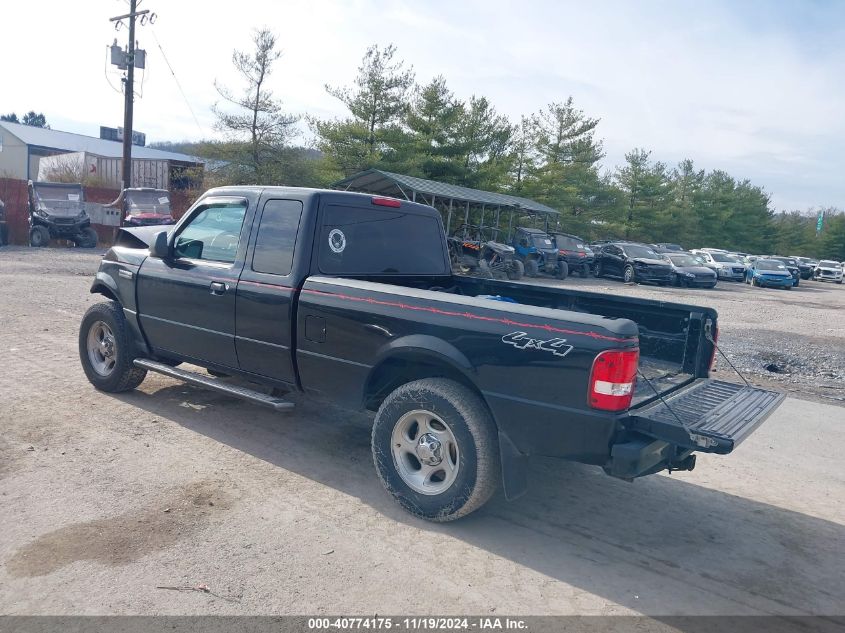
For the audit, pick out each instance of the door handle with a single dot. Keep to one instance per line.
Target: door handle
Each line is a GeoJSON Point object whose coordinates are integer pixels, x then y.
{"type": "Point", "coordinates": [218, 287]}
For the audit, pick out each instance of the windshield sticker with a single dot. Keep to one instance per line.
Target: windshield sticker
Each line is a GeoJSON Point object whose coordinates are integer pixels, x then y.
{"type": "Point", "coordinates": [521, 340]}
{"type": "Point", "coordinates": [337, 241]}
{"type": "Point", "coordinates": [73, 197]}
{"type": "Point", "coordinates": [163, 200]}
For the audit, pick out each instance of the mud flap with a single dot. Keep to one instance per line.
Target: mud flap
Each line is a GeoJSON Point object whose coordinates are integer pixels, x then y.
{"type": "Point", "coordinates": [514, 468]}
{"type": "Point", "coordinates": [709, 416]}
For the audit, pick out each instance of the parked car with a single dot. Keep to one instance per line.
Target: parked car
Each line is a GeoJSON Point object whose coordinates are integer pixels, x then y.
{"type": "Point", "coordinates": [689, 272]}
{"type": "Point", "coordinates": [727, 267]}
{"type": "Point", "coordinates": [769, 273]}
{"type": "Point", "coordinates": [145, 206]}
{"type": "Point", "coordinates": [634, 263]}
{"type": "Point", "coordinates": [57, 211]}
{"type": "Point", "coordinates": [352, 296]}
{"type": "Point", "coordinates": [828, 270]}
{"type": "Point", "coordinates": [473, 249]}
{"type": "Point", "coordinates": [537, 252]}
{"type": "Point", "coordinates": [807, 266]}
{"type": "Point", "coordinates": [575, 252]}
{"type": "Point", "coordinates": [791, 265]}
{"type": "Point", "coordinates": [664, 247]}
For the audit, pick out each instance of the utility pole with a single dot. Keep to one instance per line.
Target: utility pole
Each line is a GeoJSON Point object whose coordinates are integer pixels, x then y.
{"type": "Point", "coordinates": [129, 90]}
{"type": "Point", "coordinates": [129, 84]}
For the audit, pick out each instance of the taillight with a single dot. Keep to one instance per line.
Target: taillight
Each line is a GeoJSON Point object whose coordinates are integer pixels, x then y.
{"type": "Point", "coordinates": [387, 202]}
{"type": "Point", "coordinates": [612, 379]}
{"type": "Point", "coordinates": [563, 252]}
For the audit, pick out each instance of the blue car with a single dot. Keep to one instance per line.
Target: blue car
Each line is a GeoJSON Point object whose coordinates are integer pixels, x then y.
{"type": "Point", "coordinates": [769, 273]}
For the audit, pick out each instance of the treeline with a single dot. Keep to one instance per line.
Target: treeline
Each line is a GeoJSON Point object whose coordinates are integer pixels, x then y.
{"type": "Point", "coordinates": [553, 155]}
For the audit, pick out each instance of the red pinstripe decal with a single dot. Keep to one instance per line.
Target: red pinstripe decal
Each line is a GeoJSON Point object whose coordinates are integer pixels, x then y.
{"type": "Point", "coordinates": [470, 315]}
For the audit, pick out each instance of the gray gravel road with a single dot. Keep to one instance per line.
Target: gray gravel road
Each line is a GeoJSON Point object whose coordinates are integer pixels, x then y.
{"type": "Point", "coordinates": [105, 499]}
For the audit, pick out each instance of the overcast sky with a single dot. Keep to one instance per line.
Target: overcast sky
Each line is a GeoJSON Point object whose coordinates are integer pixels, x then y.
{"type": "Point", "coordinates": [755, 88]}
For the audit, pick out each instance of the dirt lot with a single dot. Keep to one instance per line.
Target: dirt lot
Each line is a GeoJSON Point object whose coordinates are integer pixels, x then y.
{"type": "Point", "coordinates": [104, 500]}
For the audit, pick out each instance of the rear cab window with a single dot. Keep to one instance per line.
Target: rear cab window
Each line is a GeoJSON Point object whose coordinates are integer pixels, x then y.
{"type": "Point", "coordinates": [361, 240]}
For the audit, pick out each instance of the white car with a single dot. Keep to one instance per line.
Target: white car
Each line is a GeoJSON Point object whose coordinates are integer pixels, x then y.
{"type": "Point", "coordinates": [726, 266]}
{"type": "Point", "coordinates": [828, 270]}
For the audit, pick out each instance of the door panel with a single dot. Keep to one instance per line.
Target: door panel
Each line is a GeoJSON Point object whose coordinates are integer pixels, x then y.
{"type": "Point", "coordinates": [181, 314]}
{"type": "Point", "coordinates": [266, 296]}
{"type": "Point", "coordinates": [186, 301]}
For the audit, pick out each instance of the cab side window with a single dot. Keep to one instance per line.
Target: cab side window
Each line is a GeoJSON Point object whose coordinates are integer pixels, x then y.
{"type": "Point", "coordinates": [213, 234]}
{"type": "Point", "coordinates": [276, 240]}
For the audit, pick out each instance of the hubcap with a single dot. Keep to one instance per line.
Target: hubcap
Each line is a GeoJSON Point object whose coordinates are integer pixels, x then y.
{"type": "Point", "coordinates": [425, 452]}
{"type": "Point", "coordinates": [102, 348]}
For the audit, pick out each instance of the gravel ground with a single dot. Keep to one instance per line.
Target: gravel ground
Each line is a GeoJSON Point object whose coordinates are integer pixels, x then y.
{"type": "Point", "coordinates": [793, 340]}
{"type": "Point", "coordinates": [175, 500]}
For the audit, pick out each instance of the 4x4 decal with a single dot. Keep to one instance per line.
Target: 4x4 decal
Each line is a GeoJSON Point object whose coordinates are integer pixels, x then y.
{"type": "Point", "coordinates": [521, 340]}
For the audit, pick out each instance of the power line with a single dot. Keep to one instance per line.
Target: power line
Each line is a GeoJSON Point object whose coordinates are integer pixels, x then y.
{"type": "Point", "coordinates": [178, 85]}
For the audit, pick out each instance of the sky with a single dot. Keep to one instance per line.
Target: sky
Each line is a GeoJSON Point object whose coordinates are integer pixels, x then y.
{"type": "Point", "coordinates": [748, 86]}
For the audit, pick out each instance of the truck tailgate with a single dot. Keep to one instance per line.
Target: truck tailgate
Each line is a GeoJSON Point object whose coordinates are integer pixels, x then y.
{"type": "Point", "coordinates": [709, 416]}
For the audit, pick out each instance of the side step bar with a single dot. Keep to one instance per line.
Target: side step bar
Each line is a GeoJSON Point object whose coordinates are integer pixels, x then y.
{"type": "Point", "coordinates": [214, 384]}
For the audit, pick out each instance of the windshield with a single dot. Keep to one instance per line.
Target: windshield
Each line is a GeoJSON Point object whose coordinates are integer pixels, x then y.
{"type": "Point", "coordinates": [683, 260]}
{"type": "Point", "coordinates": [148, 201]}
{"type": "Point", "coordinates": [564, 241]}
{"type": "Point", "coordinates": [46, 192]}
{"type": "Point", "coordinates": [825, 263]}
{"type": "Point", "coordinates": [542, 242]}
{"type": "Point", "coordinates": [786, 260]}
{"type": "Point", "coordinates": [719, 257]}
{"type": "Point", "coordinates": [644, 252]}
{"type": "Point", "coordinates": [769, 264]}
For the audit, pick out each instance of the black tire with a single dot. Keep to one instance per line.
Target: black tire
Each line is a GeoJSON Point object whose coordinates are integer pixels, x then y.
{"type": "Point", "coordinates": [562, 270]}
{"type": "Point", "coordinates": [754, 281]}
{"type": "Point", "coordinates": [474, 432]}
{"type": "Point", "coordinates": [88, 238]}
{"type": "Point", "coordinates": [4, 234]}
{"type": "Point", "coordinates": [585, 270]}
{"type": "Point", "coordinates": [797, 283]}
{"type": "Point", "coordinates": [599, 269]}
{"type": "Point", "coordinates": [532, 269]}
{"type": "Point", "coordinates": [516, 271]}
{"type": "Point", "coordinates": [215, 373]}
{"type": "Point", "coordinates": [630, 275]}
{"type": "Point", "coordinates": [39, 236]}
{"type": "Point", "coordinates": [124, 376]}
{"type": "Point", "coordinates": [484, 269]}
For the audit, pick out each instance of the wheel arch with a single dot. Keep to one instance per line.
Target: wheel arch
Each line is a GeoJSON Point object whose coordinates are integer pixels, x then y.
{"type": "Point", "coordinates": [413, 358]}
{"type": "Point", "coordinates": [106, 286]}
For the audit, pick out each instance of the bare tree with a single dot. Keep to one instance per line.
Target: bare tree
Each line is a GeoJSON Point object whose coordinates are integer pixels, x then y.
{"type": "Point", "coordinates": [259, 120]}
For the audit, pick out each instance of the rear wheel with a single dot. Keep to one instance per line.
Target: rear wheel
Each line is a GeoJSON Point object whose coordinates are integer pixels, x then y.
{"type": "Point", "coordinates": [106, 349]}
{"type": "Point", "coordinates": [435, 449]}
{"type": "Point", "coordinates": [516, 271]}
{"type": "Point", "coordinates": [630, 276]}
{"type": "Point", "coordinates": [39, 236]}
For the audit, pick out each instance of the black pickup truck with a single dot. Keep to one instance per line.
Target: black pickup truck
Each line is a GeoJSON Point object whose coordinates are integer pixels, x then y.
{"type": "Point", "coordinates": [352, 297]}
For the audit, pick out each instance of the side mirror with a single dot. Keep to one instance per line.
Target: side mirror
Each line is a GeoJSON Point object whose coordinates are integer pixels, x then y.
{"type": "Point", "coordinates": [159, 247]}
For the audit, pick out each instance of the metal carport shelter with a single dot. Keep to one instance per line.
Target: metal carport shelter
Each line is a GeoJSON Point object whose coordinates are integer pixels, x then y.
{"type": "Point", "coordinates": [452, 200]}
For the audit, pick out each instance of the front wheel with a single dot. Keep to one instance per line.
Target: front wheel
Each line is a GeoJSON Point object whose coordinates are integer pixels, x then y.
{"type": "Point", "coordinates": [484, 269]}
{"type": "Point", "coordinates": [532, 269]}
{"type": "Point", "coordinates": [599, 269]}
{"type": "Point", "coordinates": [630, 276]}
{"type": "Point", "coordinates": [106, 349]}
{"type": "Point", "coordinates": [562, 270]}
{"type": "Point", "coordinates": [435, 449]}
{"type": "Point", "coordinates": [88, 238]}
{"type": "Point", "coordinates": [516, 271]}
